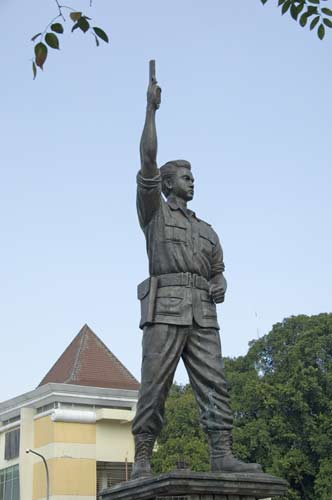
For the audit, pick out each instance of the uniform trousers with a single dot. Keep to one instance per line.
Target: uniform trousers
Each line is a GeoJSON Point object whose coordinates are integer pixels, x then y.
{"type": "Point", "coordinates": [162, 347]}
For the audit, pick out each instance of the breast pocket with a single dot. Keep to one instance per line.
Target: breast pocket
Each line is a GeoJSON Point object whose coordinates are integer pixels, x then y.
{"type": "Point", "coordinates": [206, 241]}
{"type": "Point", "coordinates": [176, 233]}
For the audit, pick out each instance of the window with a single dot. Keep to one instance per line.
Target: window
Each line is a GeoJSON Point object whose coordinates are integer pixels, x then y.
{"type": "Point", "coordinates": [41, 409]}
{"type": "Point", "coordinates": [10, 483]}
{"type": "Point", "coordinates": [12, 444]}
{"type": "Point", "coordinates": [11, 420]}
{"type": "Point", "coordinates": [111, 473]}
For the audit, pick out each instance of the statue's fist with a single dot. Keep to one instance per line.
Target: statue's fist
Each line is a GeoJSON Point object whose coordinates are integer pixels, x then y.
{"type": "Point", "coordinates": [154, 95]}
{"type": "Point", "coordinates": [218, 294]}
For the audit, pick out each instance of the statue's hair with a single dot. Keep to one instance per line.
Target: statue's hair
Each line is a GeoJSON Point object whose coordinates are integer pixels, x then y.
{"type": "Point", "coordinates": [168, 171]}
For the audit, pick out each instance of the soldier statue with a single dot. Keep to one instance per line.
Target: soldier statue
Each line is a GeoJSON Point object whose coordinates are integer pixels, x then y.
{"type": "Point", "coordinates": [178, 304]}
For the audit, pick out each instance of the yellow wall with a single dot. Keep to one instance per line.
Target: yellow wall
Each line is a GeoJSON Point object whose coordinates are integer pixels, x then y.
{"type": "Point", "coordinates": [70, 450]}
{"type": "Point", "coordinates": [67, 477]}
{"type": "Point", "coordinates": [47, 431]}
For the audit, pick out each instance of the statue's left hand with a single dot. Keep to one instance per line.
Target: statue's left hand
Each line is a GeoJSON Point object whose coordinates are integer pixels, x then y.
{"type": "Point", "coordinates": [217, 293]}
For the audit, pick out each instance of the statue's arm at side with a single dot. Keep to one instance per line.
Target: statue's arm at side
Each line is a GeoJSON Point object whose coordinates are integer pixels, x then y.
{"type": "Point", "coordinates": [218, 283]}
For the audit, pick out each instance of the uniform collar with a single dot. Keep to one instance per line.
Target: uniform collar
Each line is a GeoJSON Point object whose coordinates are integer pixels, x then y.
{"type": "Point", "coordinates": [175, 206]}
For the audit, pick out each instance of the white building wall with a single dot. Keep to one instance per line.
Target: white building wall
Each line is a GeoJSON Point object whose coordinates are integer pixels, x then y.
{"type": "Point", "coordinates": [114, 441]}
{"type": "Point", "coordinates": [26, 460]}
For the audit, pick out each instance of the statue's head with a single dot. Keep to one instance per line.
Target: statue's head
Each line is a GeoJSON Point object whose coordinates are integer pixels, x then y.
{"type": "Point", "coordinates": [177, 179]}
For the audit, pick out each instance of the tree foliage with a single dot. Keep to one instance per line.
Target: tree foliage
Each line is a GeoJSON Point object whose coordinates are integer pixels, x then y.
{"type": "Point", "coordinates": [49, 36]}
{"type": "Point", "coordinates": [312, 13]}
{"type": "Point", "coordinates": [281, 394]}
{"type": "Point", "coordinates": [181, 438]}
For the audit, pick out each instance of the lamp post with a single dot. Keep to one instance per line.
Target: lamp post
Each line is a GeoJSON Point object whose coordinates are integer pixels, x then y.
{"type": "Point", "coordinates": [46, 470]}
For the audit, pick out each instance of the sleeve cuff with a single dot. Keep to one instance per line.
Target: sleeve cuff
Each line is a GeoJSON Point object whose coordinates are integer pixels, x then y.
{"type": "Point", "coordinates": [218, 269]}
{"type": "Point", "coordinates": [150, 183]}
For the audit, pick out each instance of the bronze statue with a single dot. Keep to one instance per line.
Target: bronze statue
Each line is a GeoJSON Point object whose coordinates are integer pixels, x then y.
{"type": "Point", "coordinates": [178, 304]}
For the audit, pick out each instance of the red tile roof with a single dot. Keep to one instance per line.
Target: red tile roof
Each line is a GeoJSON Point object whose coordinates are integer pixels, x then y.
{"type": "Point", "coordinates": [87, 361]}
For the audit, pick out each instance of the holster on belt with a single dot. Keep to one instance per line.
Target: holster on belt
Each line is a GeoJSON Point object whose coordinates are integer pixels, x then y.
{"type": "Point", "coordinates": [146, 293]}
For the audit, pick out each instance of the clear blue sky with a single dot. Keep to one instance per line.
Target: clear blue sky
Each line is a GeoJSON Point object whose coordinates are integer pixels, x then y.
{"type": "Point", "coordinates": [246, 98]}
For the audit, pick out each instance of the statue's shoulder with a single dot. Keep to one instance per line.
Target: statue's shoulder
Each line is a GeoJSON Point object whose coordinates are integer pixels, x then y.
{"type": "Point", "coordinates": [207, 230]}
{"type": "Point", "coordinates": [203, 222]}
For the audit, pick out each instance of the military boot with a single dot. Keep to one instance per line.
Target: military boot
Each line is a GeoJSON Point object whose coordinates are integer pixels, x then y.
{"type": "Point", "coordinates": [221, 455]}
{"type": "Point", "coordinates": [143, 451]}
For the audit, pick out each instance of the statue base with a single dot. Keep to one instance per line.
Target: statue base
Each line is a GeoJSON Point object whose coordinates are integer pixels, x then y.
{"type": "Point", "coordinates": [188, 485]}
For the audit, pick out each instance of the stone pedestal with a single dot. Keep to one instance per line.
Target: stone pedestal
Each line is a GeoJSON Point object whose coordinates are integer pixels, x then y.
{"type": "Point", "coordinates": [187, 485]}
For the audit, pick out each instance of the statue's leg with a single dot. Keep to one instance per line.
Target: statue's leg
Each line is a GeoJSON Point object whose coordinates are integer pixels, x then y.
{"type": "Point", "coordinates": [203, 361]}
{"type": "Point", "coordinates": [202, 358]}
{"type": "Point", "coordinates": [162, 346]}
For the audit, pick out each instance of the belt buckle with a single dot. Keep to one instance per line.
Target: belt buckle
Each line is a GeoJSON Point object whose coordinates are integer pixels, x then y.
{"type": "Point", "coordinates": [190, 280]}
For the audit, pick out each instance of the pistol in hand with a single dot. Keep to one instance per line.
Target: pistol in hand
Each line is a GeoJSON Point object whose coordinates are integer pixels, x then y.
{"type": "Point", "coordinates": [154, 91]}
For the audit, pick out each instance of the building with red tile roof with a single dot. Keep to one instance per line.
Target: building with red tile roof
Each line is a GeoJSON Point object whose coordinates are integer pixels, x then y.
{"type": "Point", "coordinates": [79, 418]}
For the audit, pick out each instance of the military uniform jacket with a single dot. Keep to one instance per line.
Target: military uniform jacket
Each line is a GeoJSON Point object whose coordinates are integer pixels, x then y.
{"type": "Point", "coordinates": [182, 247]}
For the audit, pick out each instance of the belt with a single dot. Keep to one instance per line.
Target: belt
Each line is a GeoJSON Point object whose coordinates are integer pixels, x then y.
{"type": "Point", "coordinates": [190, 280]}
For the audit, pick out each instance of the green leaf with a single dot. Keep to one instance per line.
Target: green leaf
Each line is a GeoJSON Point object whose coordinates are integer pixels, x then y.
{"type": "Point", "coordinates": [304, 19]}
{"type": "Point", "coordinates": [99, 32]}
{"type": "Point", "coordinates": [327, 22]}
{"type": "Point", "coordinates": [34, 70]}
{"type": "Point", "coordinates": [75, 16]}
{"type": "Point", "coordinates": [83, 24]}
{"type": "Point", "coordinates": [35, 37]}
{"type": "Point", "coordinates": [314, 22]}
{"type": "Point", "coordinates": [280, 2]}
{"type": "Point", "coordinates": [294, 12]}
{"type": "Point", "coordinates": [312, 10]}
{"type": "Point", "coordinates": [321, 31]}
{"type": "Point", "coordinates": [52, 40]}
{"type": "Point", "coordinates": [41, 54]}
{"type": "Point", "coordinates": [97, 41]}
{"type": "Point", "coordinates": [300, 7]}
{"type": "Point", "coordinates": [326, 11]}
{"type": "Point", "coordinates": [57, 28]}
{"type": "Point", "coordinates": [314, 1]}
{"type": "Point", "coordinates": [263, 2]}
{"type": "Point", "coordinates": [285, 7]}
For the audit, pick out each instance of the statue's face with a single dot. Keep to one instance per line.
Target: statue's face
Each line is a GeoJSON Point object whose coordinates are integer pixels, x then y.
{"type": "Point", "coordinates": [182, 184]}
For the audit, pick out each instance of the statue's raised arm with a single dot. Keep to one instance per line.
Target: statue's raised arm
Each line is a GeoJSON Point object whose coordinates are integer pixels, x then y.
{"type": "Point", "coordinates": [148, 145]}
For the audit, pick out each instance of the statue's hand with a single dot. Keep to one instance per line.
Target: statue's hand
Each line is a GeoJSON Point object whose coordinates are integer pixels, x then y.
{"type": "Point", "coordinates": [154, 95]}
{"type": "Point", "coordinates": [217, 293]}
